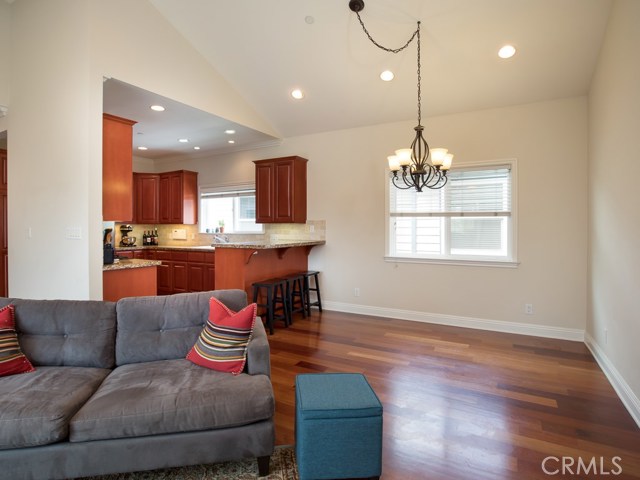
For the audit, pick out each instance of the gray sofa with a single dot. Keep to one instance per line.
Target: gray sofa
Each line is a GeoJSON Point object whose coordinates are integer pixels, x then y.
{"type": "Point", "coordinates": [113, 392]}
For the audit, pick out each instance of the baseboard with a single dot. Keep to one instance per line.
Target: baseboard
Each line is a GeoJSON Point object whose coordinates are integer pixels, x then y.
{"type": "Point", "coordinates": [457, 321]}
{"type": "Point", "coordinates": [622, 388]}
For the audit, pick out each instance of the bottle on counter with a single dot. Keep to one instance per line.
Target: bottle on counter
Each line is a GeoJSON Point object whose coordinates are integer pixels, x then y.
{"type": "Point", "coordinates": [144, 238]}
{"type": "Point", "coordinates": [155, 236]}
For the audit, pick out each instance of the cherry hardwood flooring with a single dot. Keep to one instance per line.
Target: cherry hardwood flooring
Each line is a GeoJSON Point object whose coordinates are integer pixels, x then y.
{"type": "Point", "coordinates": [466, 404]}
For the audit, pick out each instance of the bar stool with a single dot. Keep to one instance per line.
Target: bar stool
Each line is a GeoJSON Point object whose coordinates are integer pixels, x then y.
{"type": "Point", "coordinates": [308, 288]}
{"type": "Point", "coordinates": [273, 292]}
{"type": "Point", "coordinates": [295, 295]}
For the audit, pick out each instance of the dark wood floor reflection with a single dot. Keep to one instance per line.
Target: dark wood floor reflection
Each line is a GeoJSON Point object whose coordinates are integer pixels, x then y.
{"type": "Point", "coordinates": [467, 404]}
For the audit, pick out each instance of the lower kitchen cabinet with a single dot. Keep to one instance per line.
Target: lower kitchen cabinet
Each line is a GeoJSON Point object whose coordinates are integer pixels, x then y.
{"type": "Point", "coordinates": [185, 271]}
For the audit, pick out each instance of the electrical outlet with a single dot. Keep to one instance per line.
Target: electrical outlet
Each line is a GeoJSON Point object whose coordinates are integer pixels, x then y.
{"type": "Point", "coordinates": [528, 308]}
{"type": "Point", "coordinates": [356, 292]}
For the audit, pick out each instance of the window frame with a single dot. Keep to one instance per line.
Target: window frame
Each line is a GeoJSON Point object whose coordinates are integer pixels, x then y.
{"type": "Point", "coordinates": [222, 188]}
{"type": "Point", "coordinates": [486, 261]}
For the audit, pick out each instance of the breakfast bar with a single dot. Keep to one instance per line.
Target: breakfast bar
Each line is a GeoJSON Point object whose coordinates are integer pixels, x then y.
{"type": "Point", "coordinates": [239, 265]}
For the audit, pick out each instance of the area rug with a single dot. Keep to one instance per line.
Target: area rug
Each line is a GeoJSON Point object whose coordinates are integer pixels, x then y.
{"type": "Point", "coordinates": [283, 467]}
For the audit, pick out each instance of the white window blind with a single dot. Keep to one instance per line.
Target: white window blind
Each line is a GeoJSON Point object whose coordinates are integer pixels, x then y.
{"type": "Point", "coordinates": [470, 218]}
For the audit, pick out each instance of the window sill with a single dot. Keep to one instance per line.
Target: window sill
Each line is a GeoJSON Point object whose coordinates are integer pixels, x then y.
{"type": "Point", "coordinates": [451, 261]}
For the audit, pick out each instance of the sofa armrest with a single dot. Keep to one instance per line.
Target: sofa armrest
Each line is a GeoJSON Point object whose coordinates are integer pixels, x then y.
{"type": "Point", "coordinates": [258, 355]}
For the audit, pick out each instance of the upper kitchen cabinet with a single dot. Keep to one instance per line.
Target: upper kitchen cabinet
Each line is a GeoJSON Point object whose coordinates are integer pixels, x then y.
{"type": "Point", "coordinates": [146, 197]}
{"type": "Point", "coordinates": [281, 190]}
{"type": "Point", "coordinates": [117, 168]}
{"type": "Point", "coordinates": [178, 197]}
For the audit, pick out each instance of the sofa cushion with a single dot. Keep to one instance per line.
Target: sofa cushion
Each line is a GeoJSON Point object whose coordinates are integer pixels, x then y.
{"type": "Point", "coordinates": [74, 333]}
{"type": "Point", "coordinates": [171, 396]}
{"type": "Point", "coordinates": [12, 360]}
{"type": "Point", "coordinates": [222, 344]}
{"type": "Point", "coordinates": [165, 327]}
{"type": "Point", "coordinates": [36, 408]}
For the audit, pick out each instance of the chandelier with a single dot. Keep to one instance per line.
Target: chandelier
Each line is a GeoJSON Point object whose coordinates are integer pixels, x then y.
{"type": "Point", "coordinates": [419, 166]}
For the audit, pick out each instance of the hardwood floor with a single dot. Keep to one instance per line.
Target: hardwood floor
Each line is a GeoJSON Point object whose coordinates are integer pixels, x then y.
{"type": "Point", "coordinates": [466, 404]}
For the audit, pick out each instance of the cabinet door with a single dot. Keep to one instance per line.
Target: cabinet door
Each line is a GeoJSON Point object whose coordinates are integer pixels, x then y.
{"type": "Point", "coordinates": [283, 190]}
{"type": "Point", "coordinates": [165, 286]}
{"type": "Point", "coordinates": [209, 278]}
{"type": "Point", "coordinates": [175, 198]}
{"type": "Point", "coordinates": [264, 192]}
{"type": "Point", "coordinates": [196, 277]}
{"type": "Point", "coordinates": [146, 197]}
{"type": "Point", "coordinates": [117, 172]}
{"type": "Point", "coordinates": [180, 277]}
{"type": "Point", "coordinates": [164, 199]}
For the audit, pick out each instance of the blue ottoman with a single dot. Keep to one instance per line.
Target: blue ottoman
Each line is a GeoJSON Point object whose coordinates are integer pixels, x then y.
{"type": "Point", "coordinates": [338, 427]}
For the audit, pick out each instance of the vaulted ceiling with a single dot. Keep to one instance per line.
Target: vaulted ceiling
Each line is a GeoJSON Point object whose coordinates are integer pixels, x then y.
{"type": "Point", "coordinates": [267, 48]}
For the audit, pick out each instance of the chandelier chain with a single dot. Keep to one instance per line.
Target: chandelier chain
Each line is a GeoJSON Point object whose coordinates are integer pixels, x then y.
{"type": "Point", "coordinates": [415, 35]}
{"type": "Point", "coordinates": [419, 79]}
{"type": "Point", "coordinates": [386, 49]}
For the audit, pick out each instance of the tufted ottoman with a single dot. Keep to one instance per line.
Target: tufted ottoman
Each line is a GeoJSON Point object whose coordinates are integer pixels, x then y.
{"type": "Point", "coordinates": [338, 427]}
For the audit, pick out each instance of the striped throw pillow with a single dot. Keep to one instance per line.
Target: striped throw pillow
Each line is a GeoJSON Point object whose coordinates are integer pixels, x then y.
{"type": "Point", "coordinates": [222, 345]}
{"type": "Point", "coordinates": [12, 360]}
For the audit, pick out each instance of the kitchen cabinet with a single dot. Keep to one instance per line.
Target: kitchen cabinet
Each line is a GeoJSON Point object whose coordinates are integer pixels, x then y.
{"type": "Point", "coordinates": [146, 197]}
{"type": "Point", "coordinates": [184, 271]}
{"type": "Point", "coordinates": [281, 190]}
{"type": "Point", "coordinates": [178, 197]}
{"type": "Point", "coordinates": [117, 168]}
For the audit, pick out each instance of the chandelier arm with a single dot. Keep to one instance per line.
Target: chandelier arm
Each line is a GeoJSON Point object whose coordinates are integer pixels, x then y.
{"type": "Point", "coordinates": [395, 179]}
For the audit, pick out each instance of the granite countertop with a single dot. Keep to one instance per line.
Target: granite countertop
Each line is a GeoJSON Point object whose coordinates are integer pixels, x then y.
{"type": "Point", "coordinates": [253, 245]}
{"type": "Point", "coordinates": [130, 263]}
{"type": "Point", "coordinates": [267, 245]}
{"type": "Point", "coordinates": [160, 247]}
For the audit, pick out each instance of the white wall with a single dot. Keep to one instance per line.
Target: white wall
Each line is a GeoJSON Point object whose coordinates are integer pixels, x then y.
{"type": "Point", "coordinates": [614, 169]}
{"type": "Point", "coordinates": [59, 53]}
{"type": "Point", "coordinates": [346, 175]}
{"type": "Point", "coordinates": [5, 41]}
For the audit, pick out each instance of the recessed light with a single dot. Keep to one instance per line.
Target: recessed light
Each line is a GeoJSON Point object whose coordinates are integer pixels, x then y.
{"type": "Point", "coordinates": [297, 94]}
{"type": "Point", "coordinates": [183, 140]}
{"type": "Point", "coordinates": [143, 148]}
{"type": "Point", "coordinates": [229, 132]}
{"type": "Point", "coordinates": [196, 148]}
{"type": "Point", "coordinates": [387, 75]}
{"type": "Point", "coordinates": [231, 141]}
{"type": "Point", "coordinates": [507, 51]}
{"type": "Point", "coordinates": [157, 108]}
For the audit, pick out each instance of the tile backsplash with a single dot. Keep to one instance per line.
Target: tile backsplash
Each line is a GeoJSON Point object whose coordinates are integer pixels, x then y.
{"type": "Point", "coordinates": [278, 232]}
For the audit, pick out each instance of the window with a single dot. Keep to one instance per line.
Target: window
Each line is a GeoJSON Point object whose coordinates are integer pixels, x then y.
{"type": "Point", "coordinates": [470, 219]}
{"type": "Point", "coordinates": [228, 210]}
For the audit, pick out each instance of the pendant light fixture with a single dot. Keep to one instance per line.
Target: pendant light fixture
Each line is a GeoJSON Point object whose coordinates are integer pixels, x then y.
{"type": "Point", "coordinates": [410, 167]}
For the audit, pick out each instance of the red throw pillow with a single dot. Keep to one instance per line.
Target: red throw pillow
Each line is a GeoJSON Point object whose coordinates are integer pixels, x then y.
{"type": "Point", "coordinates": [222, 345]}
{"type": "Point", "coordinates": [12, 360]}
